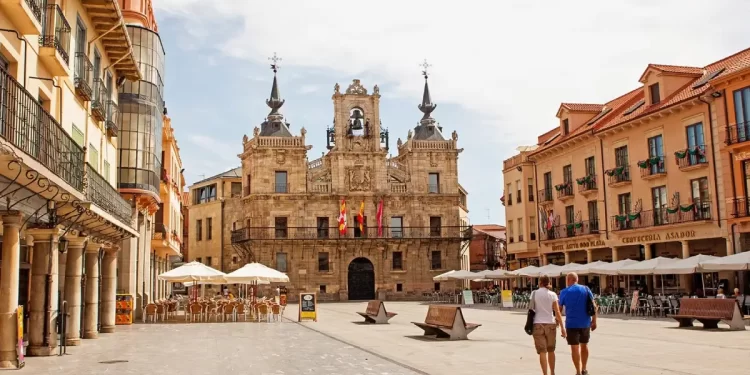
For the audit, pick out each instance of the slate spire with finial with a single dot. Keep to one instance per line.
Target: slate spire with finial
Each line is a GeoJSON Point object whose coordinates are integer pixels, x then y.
{"type": "Point", "coordinates": [274, 102]}
{"type": "Point", "coordinates": [427, 105]}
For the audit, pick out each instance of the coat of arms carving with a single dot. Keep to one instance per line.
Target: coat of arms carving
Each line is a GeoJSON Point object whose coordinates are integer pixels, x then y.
{"type": "Point", "coordinates": [280, 157]}
{"type": "Point", "coordinates": [358, 178]}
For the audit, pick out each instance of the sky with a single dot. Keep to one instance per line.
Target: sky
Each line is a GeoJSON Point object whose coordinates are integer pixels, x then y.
{"type": "Point", "coordinates": [500, 69]}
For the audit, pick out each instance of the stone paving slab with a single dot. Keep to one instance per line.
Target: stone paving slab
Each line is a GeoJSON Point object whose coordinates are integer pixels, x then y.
{"type": "Point", "coordinates": [618, 347]}
{"type": "Point", "coordinates": [214, 348]}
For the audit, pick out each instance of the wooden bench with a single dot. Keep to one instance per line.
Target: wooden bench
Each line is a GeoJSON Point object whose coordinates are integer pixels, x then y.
{"type": "Point", "coordinates": [376, 313]}
{"type": "Point", "coordinates": [710, 312]}
{"type": "Point", "coordinates": [446, 322]}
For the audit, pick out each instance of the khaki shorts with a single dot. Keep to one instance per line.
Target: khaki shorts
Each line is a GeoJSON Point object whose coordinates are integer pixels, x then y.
{"type": "Point", "coordinates": [545, 337]}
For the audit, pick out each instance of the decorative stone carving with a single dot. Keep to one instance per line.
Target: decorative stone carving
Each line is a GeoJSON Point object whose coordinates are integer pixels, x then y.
{"type": "Point", "coordinates": [376, 90]}
{"type": "Point", "coordinates": [358, 178]}
{"type": "Point", "coordinates": [409, 134]}
{"type": "Point", "coordinates": [399, 143]}
{"type": "Point", "coordinates": [280, 156]}
{"type": "Point", "coordinates": [356, 88]}
{"type": "Point", "coordinates": [256, 131]}
{"type": "Point", "coordinates": [454, 135]}
{"type": "Point", "coordinates": [433, 159]}
{"type": "Point", "coordinates": [244, 139]}
{"type": "Point", "coordinates": [303, 131]}
{"type": "Point", "coordinates": [358, 144]}
{"type": "Point", "coordinates": [337, 89]}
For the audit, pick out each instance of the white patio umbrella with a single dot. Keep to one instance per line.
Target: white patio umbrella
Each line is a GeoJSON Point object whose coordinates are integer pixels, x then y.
{"type": "Point", "coordinates": [646, 267]}
{"type": "Point", "coordinates": [498, 274]}
{"type": "Point", "coordinates": [610, 269]}
{"type": "Point", "coordinates": [463, 275]}
{"type": "Point", "coordinates": [587, 267]}
{"type": "Point", "coordinates": [572, 267]}
{"type": "Point", "coordinates": [193, 271]}
{"type": "Point", "coordinates": [256, 273]}
{"type": "Point", "coordinates": [525, 271]}
{"type": "Point", "coordinates": [551, 270]}
{"type": "Point", "coordinates": [683, 266]}
{"type": "Point", "coordinates": [736, 262]}
{"type": "Point", "coordinates": [443, 276]}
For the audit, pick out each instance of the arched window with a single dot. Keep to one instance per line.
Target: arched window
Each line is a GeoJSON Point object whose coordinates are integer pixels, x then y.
{"type": "Point", "coordinates": [356, 122]}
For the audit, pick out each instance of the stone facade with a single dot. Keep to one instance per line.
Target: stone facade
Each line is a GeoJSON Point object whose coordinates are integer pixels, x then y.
{"type": "Point", "coordinates": [291, 206]}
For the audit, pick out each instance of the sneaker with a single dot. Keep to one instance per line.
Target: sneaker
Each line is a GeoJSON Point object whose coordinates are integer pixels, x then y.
{"type": "Point", "coordinates": [585, 372]}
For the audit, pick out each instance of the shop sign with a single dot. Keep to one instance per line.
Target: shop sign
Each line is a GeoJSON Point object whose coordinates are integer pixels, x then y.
{"type": "Point", "coordinates": [668, 236]}
{"type": "Point", "coordinates": [578, 245]}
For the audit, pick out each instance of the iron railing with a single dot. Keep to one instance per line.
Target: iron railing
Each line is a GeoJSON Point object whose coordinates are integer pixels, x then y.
{"type": "Point", "coordinates": [697, 211]}
{"type": "Point", "coordinates": [738, 133]}
{"type": "Point", "coordinates": [37, 8]}
{"type": "Point", "coordinates": [113, 118]}
{"type": "Point", "coordinates": [99, 191]}
{"type": "Point", "coordinates": [312, 233]}
{"type": "Point", "coordinates": [82, 76]}
{"type": "Point", "coordinates": [161, 232]}
{"type": "Point", "coordinates": [618, 174]}
{"type": "Point", "coordinates": [576, 229]}
{"type": "Point", "coordinates": [654, 165]}
{"type": "Point", "coordinates": [545, 195]}
{"type": "Point", "coordinates": [26, 125]}
{"type": "Point", "coordinates": [564, 190]}
{"type": "Point", "coordinates": [740, 207]}
{"type": "Point", "coordinates": [586, 183]}
{"type": "Point", "coordinates": [56, 31]}
{"type": "Point", "coordinates": [99, 101]}
{"type": "Point", "coordinates": [281, 188]}
{"type": "Point", "coordinates": [433, 188]}
{"type": "Point", "coordinates": [691, 156]}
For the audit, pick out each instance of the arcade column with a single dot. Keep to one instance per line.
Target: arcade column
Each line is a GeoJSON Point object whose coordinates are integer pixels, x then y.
{"type": "Point", "coordinates": [73, 285]}
{"type": "Point", "coordinates": [91, 312]}
{"type": "Point", "coordinates": [9, 288]}
{"type": "Point", "coordinates": [109, 289]}
{"type": "Point", "coordinates": [43, 303]}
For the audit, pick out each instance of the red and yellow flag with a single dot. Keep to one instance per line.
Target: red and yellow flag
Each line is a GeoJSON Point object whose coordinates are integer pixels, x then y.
{"type": "Point", "coordinates": [342, 218]}
{"type": "Point", "coordinates": [361, 217]}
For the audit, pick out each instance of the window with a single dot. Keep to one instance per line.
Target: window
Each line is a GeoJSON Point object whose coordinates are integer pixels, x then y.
{"type": "Point", "coordinates": [520, 230]}
{"type": "Point", "coordinates": [530, 184]}
{"type": "Point", "coordinates": [510, 195]}
{"type": "Point", "coordinates": [398, 260]}
{"type": "Point", "coordinates": [209, 261]}
{"type": "Point", "coordinates": [623, 203]}
{"type": "Point", "coordinates": [204, 194]}
{"type": "Point", "coordinates": [280, 227]}
{"type": "Point", "coordinates": [593, 208]}
{"type": "Point", "coordinates": [567, 173]}
{"type": "Point", "coordinates": [77, 136]}
{"type": "Point", "coordinates": [570, 218]}
{"type": "Point", "coordinates": [199, 260]}
{"type": "Point", "coordinates": [322, 227]}
{"type": "Point", "coordinates": [742, 113]}
{"type": "Point", "coordinates": [659, 198]}
{"type": "Point", "coordinates": [436, 262]}
{"type": "Point", "coordinates": [236, 189]}
{"type": "Point", "coordinates": [437, 287]}
{"type": "Point", "coordinates": [397, 227]}
{"type": "Point", "coordinates": [235, 260]}
{"type": "Point", "coordinates": [621, 156]}
{"type": "Point", "coordinates": [105, 171]}
{"type": "Point", "coordinates": [532, 228]}
{"type": "Point", "coordinates": [654, 92]}
{"type": "Point", "coordinates": [80, 68]}
{"type": "Point", "coordinates": [656, 149]}
{"type": "Point", "coordinates": [280, 182]}
{"type": "Point", "coordinates": [510, 230]}
{"type": "Point", "coordinates": [198, 230]}
{"type": "Point", "coordinates": [323, 265]}
{"type": "Point", "coordinates": [247, 185]}
{"type": "Point", "coordinates": [93, 157]}
{"type": "Point", "coordinates": [518, 191]}
{"type": "Point", "coordinates": [699, 188]}
{"type": "Point", "coordinates": [281, 262]}
{"type": "Point", "coordinates": [399, 287]}
{"type": "Point", "coordinates": [590, 165]}
{"type": "Point", "coordinates": [695, 143]}
{"type": "Point", "coordinates": [322, 289]}
{"type": "Point", "coordinates": [565, 127]}
{"type": "Point", "coordinates": [435, 226]}
{"type": "Point", "coordinates": [360, 233]}
{"type": "Point", "coordinates": [209, 228]}
{"type": "Point", "coordinates": [434, 183]}
{"type": "Point", "coordinates": [548, 182]}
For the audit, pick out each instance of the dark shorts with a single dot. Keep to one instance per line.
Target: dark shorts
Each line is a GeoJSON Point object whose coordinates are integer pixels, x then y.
{"type": "Point", "coordinates": [577, 336]}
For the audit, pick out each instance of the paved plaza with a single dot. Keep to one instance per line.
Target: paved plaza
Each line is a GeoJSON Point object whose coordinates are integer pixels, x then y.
{"type": "Point", "coordinates": [337, 345]}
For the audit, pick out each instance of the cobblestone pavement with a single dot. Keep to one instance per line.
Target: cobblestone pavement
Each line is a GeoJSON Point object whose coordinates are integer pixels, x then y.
{"type": "Point", "coordinates": [214, 348]}
{"type": "Point", "coordinates": [618, 347]}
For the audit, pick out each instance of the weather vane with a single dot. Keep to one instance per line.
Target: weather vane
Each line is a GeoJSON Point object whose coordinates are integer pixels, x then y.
{"type": "Point", "coordinates": [275, 59]}
{"type": "Point", "coordinates": [424, 66]}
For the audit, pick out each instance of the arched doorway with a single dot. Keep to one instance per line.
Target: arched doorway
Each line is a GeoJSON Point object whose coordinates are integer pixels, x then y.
{"type": "Point", "coordinates": [361, 280]}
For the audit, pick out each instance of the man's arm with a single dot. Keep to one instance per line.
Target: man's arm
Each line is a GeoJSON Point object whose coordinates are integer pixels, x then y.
{"type": "Point", "coordinates": [596, 309]}
{"type": "Point", "coordinates": [558, 318]}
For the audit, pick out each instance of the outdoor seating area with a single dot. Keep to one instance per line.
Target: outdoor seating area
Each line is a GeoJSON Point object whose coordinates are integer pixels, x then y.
{"type": "Point", "coordinates": [220, 309]}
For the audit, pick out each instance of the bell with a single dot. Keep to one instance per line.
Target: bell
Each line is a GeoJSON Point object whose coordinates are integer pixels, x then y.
{"type": "Point", "coordinates": [357, 124]}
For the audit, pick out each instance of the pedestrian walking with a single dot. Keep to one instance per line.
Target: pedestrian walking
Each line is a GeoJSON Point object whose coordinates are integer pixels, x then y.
{"type": "Point", "coordinates": [580, 320]}
{"type": "Point", "coordinates": [546, 319]}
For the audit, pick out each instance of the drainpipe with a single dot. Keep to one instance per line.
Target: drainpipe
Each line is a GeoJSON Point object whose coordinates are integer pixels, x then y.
{"type": "Point", "coordinates": [539, 231]}
{"type": "Point", "coordinates": [604, 188]}
{"type": "Point", "coordinates": [221, 223]}
{"type": "Point", "coordinates": [59, 95]}
{"type": "Point", "coordinates": [25, 48]}
{"type": "Point", "coordinates": [713, 160]}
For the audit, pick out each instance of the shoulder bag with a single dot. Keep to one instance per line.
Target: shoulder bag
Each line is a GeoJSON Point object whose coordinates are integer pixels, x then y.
{"type": "Point", "coordinates": [529, 327]}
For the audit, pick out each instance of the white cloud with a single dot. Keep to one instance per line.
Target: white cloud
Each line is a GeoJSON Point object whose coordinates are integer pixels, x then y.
{"type": "Point", "coordinates": [308, 89]}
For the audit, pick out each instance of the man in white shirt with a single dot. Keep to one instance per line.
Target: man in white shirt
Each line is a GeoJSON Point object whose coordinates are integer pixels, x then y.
{"type": "Point", "coordinates": [545, 324]}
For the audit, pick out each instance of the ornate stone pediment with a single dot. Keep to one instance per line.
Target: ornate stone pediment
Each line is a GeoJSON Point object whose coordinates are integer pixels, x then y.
{"type": "Point", "coordinates": [359, 178]}
{"type": "Point", "coordinates": [356, 88]}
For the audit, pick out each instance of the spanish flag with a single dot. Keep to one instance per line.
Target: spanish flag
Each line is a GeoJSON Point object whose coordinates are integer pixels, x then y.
{"type": "Point", "coordinates": [342, 218]}
{"type": "Point", "coordinates": [361, 217]}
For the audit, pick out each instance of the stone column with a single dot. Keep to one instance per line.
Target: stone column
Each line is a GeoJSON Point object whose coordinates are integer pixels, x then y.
{"type": "Point", "coordinates": [615, 254]}
{"type": "Point", "coordinates": [730, 247]}
{"type": "Point", "coordinates": [589, 255]}
{"type": "Point", "coordinates": [61, 260]}
{"type": "Point", "coordinates": [43, 302]}
{"type": "Point", "coordinates": [109, 290]}
{"type": "Point", "coordinates": [567, 257]}
{"type": "Point", "coordinates": [73, 271]}
{"type": "Point", "coordinates": [9, 288]}
{"type": "Point", "coordinates": [647, 254]}
{"type": "Point", "coordinates": [544, 259]}
{"type": "Point", "coordinates": [685, 249]}
{"type": "Point", "coordinates": [91, 313]}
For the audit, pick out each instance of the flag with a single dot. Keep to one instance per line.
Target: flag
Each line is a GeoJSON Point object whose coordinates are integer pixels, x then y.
{"type": "Point", "coordinates": [361, 217]}
{"type": "Point", "coordinates": [380, 218]}
{"type": "Point", "coordinates": [342, 218]}
{"type": "Point", "coordinates": [542, 219]}
{"type": "Point", "coordinates": [550, 221]}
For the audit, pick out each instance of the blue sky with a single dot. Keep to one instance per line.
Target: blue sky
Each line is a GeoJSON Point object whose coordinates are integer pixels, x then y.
{"type": "Point", "coordinates": [500, 69]}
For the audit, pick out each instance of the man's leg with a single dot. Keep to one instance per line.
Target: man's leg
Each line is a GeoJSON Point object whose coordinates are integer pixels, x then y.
{"type": "Point", "coordinates": [584, 356]}
{"type": "Point", "coordinates": [576, 354]}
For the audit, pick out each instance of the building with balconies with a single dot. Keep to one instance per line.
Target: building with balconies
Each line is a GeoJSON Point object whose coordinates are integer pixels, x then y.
{"type": "Point", "coordinates": [63, 219]}
{"type": "Point", "coordinates": [355, 223]}
{"type": "Point", "coordinates": [520, 201]}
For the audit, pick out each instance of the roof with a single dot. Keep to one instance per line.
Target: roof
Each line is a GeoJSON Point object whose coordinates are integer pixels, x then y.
{"type": "Point", "coordinates": [580, 107]}
{"type": "Point", "coordinates": [673, 69]}
{"type": "Point", "coordinates": [232, 173]}
{"type": "Point", "coordinates": [489, 229]}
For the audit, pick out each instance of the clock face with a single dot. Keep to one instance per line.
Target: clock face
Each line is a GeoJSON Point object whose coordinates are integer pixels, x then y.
{"type": "Point", "coordinates": [308, 297]}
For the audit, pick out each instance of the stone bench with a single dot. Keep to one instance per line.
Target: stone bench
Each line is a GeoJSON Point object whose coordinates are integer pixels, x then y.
{"type": "Point", "coordinates": [376, 313]}
{"type": "Point", "coordinates": [446, 322]}
{"type": "Point", "coordinates": [710, 312]}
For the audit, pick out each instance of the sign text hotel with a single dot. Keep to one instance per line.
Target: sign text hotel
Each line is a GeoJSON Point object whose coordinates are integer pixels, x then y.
{"type": "Point", "coordinates": [658, 236]}
{"type": "Point", "coordinates": [578, 245]}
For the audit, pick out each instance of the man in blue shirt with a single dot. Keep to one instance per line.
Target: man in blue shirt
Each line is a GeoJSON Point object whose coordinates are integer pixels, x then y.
{"type": "Point", "coordinates": [578, 323]}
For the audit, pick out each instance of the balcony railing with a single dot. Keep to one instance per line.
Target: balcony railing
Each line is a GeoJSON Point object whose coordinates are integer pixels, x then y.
{"type": "Point", "coordinates": [332, 233]}
{"type": "Point", "coordinates": [26, 125]}
{"type": "Point", "coordinates": [738, 133]}
{"type": "Point", "coordinates": [581, 228]}
{"type": "Point", "coordinates": [99, 191]}
{"type": "Point", "coordinates": [37, 8]}
{"type": "Point", "coordinates": [564, 190]}
{"type": "Point", "coordinates": [433, 188]}
{"type": "Point", "coordinates": [113, 118]}
{"type": "Point", "coordinates": [281, 188]}
{"type": "Point", "coordinates": [653, 166]}
{"type": "Point", "coordinates": [161, 232]}
{"type": "Point", "coordinates": [586, 183]}
{"type": "Point", "coordinates": [696, 211]}
{"type": "Point", "coordinates": [56, 31]}
{"type": "Point", "coordinates": [618, 175]}
{"type": "Point", "coordinates": [82, 76]}
{"type": "Point", "coordinates": [545, 195]}
{"type": "Point", "coordinates": [691, 156]}
{"type": "Point", "coordinates": [740, 207]}
{"type": "Point", "coordinates": [99, 100]}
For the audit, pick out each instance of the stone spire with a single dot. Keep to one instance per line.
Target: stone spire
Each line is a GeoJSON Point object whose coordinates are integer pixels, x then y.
{"type": "Point", "coordinates": [274, 102]}
{"type": "Point", "coordinates": [274, 126]}
{"type": "Point", "coordinates": [427, 128]}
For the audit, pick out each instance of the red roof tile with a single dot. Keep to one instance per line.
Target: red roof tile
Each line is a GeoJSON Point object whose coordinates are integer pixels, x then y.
{"type": "Point", "coordinates": [583, 107]}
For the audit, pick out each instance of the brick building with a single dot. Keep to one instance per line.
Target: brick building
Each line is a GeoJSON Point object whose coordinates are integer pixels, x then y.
{"type": "Point", "coordinates": [292, 206]}
{"type": "Point", "coordinates": [487, 247]}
